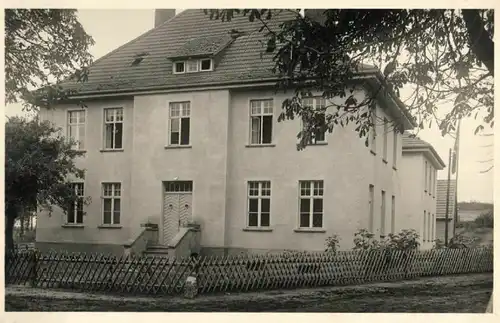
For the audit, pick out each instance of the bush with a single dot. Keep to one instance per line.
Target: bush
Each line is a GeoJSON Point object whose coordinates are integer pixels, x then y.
{"type": "Point", "coordinates": [332, 243]}
{"type": "Point", "coordinates": [365, 240]}
{"type": "Point", "coordinates": [404, 240]}
{"type": "Point", "coordinates": [485, 220]}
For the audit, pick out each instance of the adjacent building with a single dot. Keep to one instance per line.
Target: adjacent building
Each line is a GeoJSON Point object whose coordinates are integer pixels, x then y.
{"type": "Point", "coordinates": [419, 166]}
{"type": "Point", "coordinates": [441, 219]}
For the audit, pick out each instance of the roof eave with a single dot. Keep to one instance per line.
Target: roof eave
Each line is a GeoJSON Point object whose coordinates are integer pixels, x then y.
{"type": "Point", "coordinates": [431, 153]}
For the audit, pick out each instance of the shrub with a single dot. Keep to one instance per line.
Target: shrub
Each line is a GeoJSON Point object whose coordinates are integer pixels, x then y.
{"type": "Point", "coordinates": [485, 220]}
{"type": "Point", "coordinates": [439, 244]}
{"type": "Point", "coordinates": [332, 243]}
{"type": "Point", "coordinates": [365, 240]}
{"type": "Point", "coordinates": [404, 240]}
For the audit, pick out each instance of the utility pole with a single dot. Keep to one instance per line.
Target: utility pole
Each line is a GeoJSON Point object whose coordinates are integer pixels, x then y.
{"type": "Point", "coordinates": [447, 202]}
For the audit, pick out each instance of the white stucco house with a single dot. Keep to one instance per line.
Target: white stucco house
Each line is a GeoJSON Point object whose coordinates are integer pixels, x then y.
{"type": "Point", "coordinates": [180, 126]}
{"type": "Point", "coordinates": [419, 166]}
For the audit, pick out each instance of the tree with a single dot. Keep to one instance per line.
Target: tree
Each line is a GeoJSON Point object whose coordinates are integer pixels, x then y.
{"type": "Point", "coordinates": [42, 48]}
{"type": "Point", "coordinates": [39, 163]}
{"type": "Point", "coordinates": [437, 56]}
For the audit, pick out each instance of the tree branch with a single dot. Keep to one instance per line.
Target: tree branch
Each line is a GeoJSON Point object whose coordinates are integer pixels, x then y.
{"type": "Point", "coordinates": [481, 43]}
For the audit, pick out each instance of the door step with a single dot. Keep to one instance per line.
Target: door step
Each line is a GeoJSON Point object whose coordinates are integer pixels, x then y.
{"type": "Point", "coordinates": [159, 251]}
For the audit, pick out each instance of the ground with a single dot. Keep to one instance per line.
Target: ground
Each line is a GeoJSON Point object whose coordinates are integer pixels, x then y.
{"type": "Point", "coordinates": [448, 294]}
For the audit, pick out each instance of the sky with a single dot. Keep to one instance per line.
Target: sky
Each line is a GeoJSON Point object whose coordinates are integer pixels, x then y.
{"type": "Point", "coordinates": [112, 28]}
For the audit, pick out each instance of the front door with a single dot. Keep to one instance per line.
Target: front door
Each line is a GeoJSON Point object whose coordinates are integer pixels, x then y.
{"type": "Point", "coordinates": [177, 205]}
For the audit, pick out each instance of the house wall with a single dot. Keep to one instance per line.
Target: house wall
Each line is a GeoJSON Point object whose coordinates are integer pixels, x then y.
{"type": "Point", "coordinates": [219, 163]}
{"type": "Point", "coordinates": [99, 167]}
{"type": "Point", "coordinates": [417, 198]}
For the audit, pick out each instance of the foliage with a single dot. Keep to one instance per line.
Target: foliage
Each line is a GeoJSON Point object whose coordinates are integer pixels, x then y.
{"type": "Point", "coordinates": [439, 244]}
{"type": "Point", "coordinates": [332, 243]}
{"type": "Point", "coordinates": [460, 241]}
{"type": "Point", "coordinates": [404, 240]}
{"type": "Point", "coordinates": [365, 240]}
{"type": "Point", "coordinates": [437, 55]}
{"type": "Point", "coordinates": [42, 48]}
{"type": "Point", "coordinates": [485, 220]}
{"type": "Point", "coordinates": [38, 165]}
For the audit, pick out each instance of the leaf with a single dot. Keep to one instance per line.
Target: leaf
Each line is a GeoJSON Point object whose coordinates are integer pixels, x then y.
{"type": "Point", "coordinates": [479, 128]}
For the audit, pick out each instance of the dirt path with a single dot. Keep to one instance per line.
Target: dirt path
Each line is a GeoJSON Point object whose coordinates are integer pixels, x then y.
{"type": "Point", "coordinates": [464, 293]}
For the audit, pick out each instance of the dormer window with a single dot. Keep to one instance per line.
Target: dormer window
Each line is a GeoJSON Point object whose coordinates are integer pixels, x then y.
{"type": "Point", "coordinates": [192, 66]}
{"type": "Point", "coordinates": [206, 64]}
{"type": "Point", "coordinates": [179, 67]}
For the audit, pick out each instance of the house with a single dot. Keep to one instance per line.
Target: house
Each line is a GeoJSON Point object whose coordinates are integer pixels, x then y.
{"type": "Point", "coordinates": [441, 219]}
{"type": "Point", "coordinates": [419, 165]}
{"type": "Point", "coordinates": [180, 126]}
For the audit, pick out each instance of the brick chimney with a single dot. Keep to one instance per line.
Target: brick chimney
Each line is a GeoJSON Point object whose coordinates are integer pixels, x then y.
{"type": "Point", "coordinates": [162, 15]}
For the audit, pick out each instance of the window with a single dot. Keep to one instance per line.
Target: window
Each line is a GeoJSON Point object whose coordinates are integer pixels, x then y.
{"type": "Point", "coordinates": [371, 201]}
{"type": "Point", "coordinates": [76, 128]}
{"type": "Point", "coordinates": [393, 214]}
{"type": "Point", "coordinates": [435, 183]}
{"type": "Point", "coordinates": [433, 228]}
{"type": "Point", "coordinates": [386, 134]}
{"type": "Point", "coordinates": [430, 180]}
{"type": "Point", "coordinates": [261, 119]}
{"type": "Point", "coordinates": [113, 128]}
{"type": "Point", "coordinates": [180, 113]}
{"type": "Point", "coordinates": [382, 215]}
{"type": "Point", "coordinates": [206, 65]}
{"type": "Point", "coordinates": [395, 147]}
{"type": "Point", "coordinates": [179, 67]}
{"type": "Point", "coordinates": [425, 227]}
{"type": "Point", "coordinates": [311, 204]}
{"type": "Point", "coordinates": [374, 131]}
{"type": "Point", "coordinates": [75, 211]}
{"type": "Point", "coordinates": [111, 198]}
{"type": "Point", "coordinates": [259, 204]}
{"type": "Point", "coordinates": [316, 104]}
{"type": "Point", "coordinates": [429, 226]}
{"type": "Point", "coordinates": [425, 187]}
{"type": "Point", "coordinates": [192, 66]}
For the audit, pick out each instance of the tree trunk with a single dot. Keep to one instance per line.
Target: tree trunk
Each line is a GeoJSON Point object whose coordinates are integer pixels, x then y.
{"type": "Point", "coordinates": [10, 217]}
{"type": "Point", "coordinates": [480, 42]}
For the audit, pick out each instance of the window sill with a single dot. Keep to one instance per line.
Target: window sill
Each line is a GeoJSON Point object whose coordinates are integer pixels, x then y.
{"type": "Point", "coordinates": [109, 226]}
{"type": "Point", "coordinates": [257, 229]}
{"type": "Point", "coordinates": [310, 230]}
{"type": "Point", "coordinates": [385, 161]}
{"type": "Point", "coordinates": [76, 226]}
{"type": "Point", "coordinates": [322, 143]}
{"type": "Point", "coordinates": [373, 153]}
{"type": "Point", "coordinates": [111, 150]}
{"type": "Point", "coordinates": [260, 145]}
{"type": "Point", "coordinates": [178, 147]}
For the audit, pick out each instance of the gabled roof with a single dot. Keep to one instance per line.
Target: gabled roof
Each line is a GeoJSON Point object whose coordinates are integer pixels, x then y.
{"type": "Point", "coordinates": [441, 190]}
{"type": "Point", "coordinates": [412, 144]}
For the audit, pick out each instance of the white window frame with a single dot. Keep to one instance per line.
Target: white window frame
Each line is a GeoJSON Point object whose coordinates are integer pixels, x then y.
{"type": "Point", "coordinates": [261, 114]}
{"type": "Point", "coordinates": [312, 196]}
{"type": "Point", "coordinates": [179, 62]}
{"type": "Point", "coordinates": [393, 214]}
{"type": "Point", "coordinates": [315, 105]}
{"type": "Point", "coordinates": [425, 226]}
{"type": "Point", "coordinates": [196, 63]}
{"type": "Point", "coordinates": [113, 197]}
{"type": "Point", "coordinates": [260, 196]}
{"type": "Point", "coordinates": [395, 147]}
{"type": "Point", "coordinates": [211, 65]}
{"type": "Point", "coordinates": [184, 113]}
{"type": "Point", "coordinates": [75, 204]}
{"type": "Point", "coordinates": [79, 143]}
{"type": "Point", "coordinates": [105, 122]}
{"type": "Point", "coordinates": [383, 213]}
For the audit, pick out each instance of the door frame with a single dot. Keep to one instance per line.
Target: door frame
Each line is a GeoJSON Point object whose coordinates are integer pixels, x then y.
{"type": "Point", "coordinates": [161, 238]}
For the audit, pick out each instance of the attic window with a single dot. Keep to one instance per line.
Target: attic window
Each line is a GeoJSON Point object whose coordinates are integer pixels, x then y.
{"type": "Point", "coordinates": [192, 66]}
{"type": "Point", "coordinates": [179, 67]}
{"type": "Point", "coordinates": [206, 65]}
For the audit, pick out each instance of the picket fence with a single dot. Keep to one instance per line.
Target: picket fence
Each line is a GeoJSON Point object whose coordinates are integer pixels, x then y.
{"type": "Point", "coordinates": [160, 275]}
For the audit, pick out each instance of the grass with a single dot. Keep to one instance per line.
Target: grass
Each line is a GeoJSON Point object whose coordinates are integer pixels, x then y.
{"type": "Point", "coordinates": [450, 294]}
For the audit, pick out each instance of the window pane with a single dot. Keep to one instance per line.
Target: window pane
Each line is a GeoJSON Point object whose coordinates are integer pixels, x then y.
{"type": "Point", "coordinates": [72, 117]}
{"type": "Point", "coordinates": [118, 135]}
{"type": "Point", "coordinates": [117, 189]}
{"type": "Point", "coordinates": [265, 205]}
{"type": "Point", "coordinates": [317, 220]}
{"type": "Point", "coordinates": [266, 188]}
{"type": "Point", "coordinates": [267, 130]}
{"type": "Point", "coordinates": [79, 213]}
{"type": "Point", "coordinates": [81, 136]}
{"type": "Point", "coordinates": [253, 205]}
{"type": "Point", "coordinates": [304, 220]}
{"type": "Point", "coordinates": [192, 66]}
{"type": "Point", "coordinates": [107, 189]}
{"type": "Point", "coordinates": [264, 219]}
{"type": "Point", "coordinates": [119, 114]}
{"type": "Point", "coordinates": [71, 213]}
{"type": "Point", "coordinates": [109, 140]}
{"type": "Point", "coordinates": [72, 131]}
{"type": "Point", "coordinates": [116, 212]}
{"type": "Point", "coordinates": [268, 106]}
{"type": "Point", "coordinates": [107, 205]}
{"type": "Point", "coordinates": [318, 205]}
{"type": "Point", "coordinates": [175, 109]}
{"type": "Point", "coordinates": [174, 138]}
{"type": "Point", "coordinates": [186, 109]}
{"type": "Point", "coordinates": [206, 64]}
{"type": "Point", "coordinates": [305, 205]}
{"type": "Point", "coordinates": [252, 220]}
{"type": "Point", "coordinates": [185, 131]}
{"type": "Point", "coordinates": [305, 188]}
{"type": "Point", "coordinates": [307, 102]}
{"type": "Point", "coordinates": [109, 115]}
{"type": "Point", "coordinates": [256, 130]}
{"type": "Point", "coordinates": [179, 67]}
{"type": "Point", "coordinates": [255, 107]}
